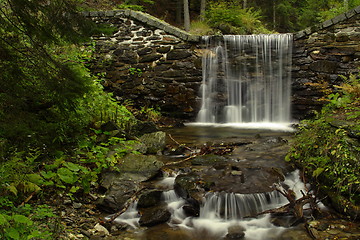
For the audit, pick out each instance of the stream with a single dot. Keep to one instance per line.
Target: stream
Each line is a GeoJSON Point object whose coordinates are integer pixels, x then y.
{"type": "Point", "coordinates": [205, 191]}
{"type": "Point", "coordinates": [229, 188]}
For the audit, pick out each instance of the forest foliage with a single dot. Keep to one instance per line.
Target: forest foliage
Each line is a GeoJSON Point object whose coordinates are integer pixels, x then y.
{"type": "Point", "coordinates": [50, 113]}
{"type": "Point", "coordinates": [52, 106]}
{"type": "Point", "coordinates": [327, 147]}
{"type": "Point", "coordinates": [262, 15]}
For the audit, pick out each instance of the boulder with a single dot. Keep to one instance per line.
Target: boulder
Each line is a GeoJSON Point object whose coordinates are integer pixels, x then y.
{"type": "Point", "coordinates": [154, 216]}
{"type": "Point", "coordinates": [235, 232]}
{"type": "Point", "coordinates": [121, 185]}
{"type": "Point", "coordinates": [155, 142]}
{"type": "Point", "coordinates": [149, 198]}
{"type": "Point", "coordinates": [116, 196]}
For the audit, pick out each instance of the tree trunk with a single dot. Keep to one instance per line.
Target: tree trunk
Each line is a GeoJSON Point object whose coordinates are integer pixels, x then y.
{"type": "Point", "coordinates": [186, 15]}
{"type": "Point", "coordinates": [274, 14]}
{"type": "Point", "coordinates": [179, 7]}
{"type": "Point", "coordinates": [244, 4]}
{"type": "Point", "coordinates": [202, 9]}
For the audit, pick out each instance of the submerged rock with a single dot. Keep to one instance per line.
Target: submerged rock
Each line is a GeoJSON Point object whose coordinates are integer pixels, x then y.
{"type": "Point", "coordinates": [235, 233]}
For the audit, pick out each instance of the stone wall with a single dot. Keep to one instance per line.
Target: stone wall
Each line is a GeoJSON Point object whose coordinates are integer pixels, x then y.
{"type": "Point", "coordinates": [320, 55]}
{"type": "Point", "coordinates": [149, 62]}
{"type": "Point", "coordinates": [155, 64]}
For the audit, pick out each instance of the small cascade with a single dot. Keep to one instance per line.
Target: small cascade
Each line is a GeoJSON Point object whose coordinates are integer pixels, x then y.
{"type": "Point", "coordinates": [231, 206]}
{"type": "Point", "coordinates": [246, 79]}
{"type": "Point", "coordinates": [222, 213]}
{"type": "Point", "coordinates": [175, 204]}
{"type": "Point", "coordinates": [130, 217]}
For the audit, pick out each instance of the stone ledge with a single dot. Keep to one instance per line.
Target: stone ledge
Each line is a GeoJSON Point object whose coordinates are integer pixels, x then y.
{"type": "Point", "coordinates": [147, 19]}
{"type": "Point", "coordinates": [328, 23]}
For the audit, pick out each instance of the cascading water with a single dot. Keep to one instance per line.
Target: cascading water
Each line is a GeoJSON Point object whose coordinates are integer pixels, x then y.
{"type": "Point", "coordinates": [246, 79]}
{"type": "Point", "coordinates": [223, 212]}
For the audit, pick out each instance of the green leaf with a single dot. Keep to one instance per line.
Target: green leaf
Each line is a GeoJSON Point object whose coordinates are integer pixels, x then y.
{"type": "Point", "coordinates": [22, 219]}
{"type": "Point", "coordinates": [31, 187]}
{"type": "Point", "coordinates": [13, 233]}
{"type": "Point", "coordinates": [12, 189]}
{"type": "Point", "coordinates": [35, 178]}
{"type": "Point", "coordinates": [317, 172]}
{"type": "Point", "coordinates": [74, 189]}
{"type": "Point", "coordinates": [72, 166]}
{"type": "Point", "coordinates": [47, 175]}
{"type": "Point", "coordinates": [3, 220]}
{"type": "Point", "coordinates": [66, 175]}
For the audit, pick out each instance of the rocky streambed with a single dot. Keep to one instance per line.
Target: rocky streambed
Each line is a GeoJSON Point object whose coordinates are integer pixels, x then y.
{"type": "Point", "coordinates": [163, 196]}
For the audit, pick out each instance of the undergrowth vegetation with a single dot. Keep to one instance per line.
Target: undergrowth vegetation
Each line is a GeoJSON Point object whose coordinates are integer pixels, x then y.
{"type": "Point", "coordinates": [233, 19]}
{"type": "Point", "coordinates": [327, 147]}
{"type": "Point", "coordinates": [52, 109]}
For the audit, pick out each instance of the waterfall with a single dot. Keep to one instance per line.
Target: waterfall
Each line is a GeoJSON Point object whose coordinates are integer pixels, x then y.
{"type": "Point", "coordinates": [233, 206]}
{"type": "Point", "coordinates": [246, 79]}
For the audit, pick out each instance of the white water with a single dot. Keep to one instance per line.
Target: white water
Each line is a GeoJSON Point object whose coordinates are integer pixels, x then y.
{"type": "Point", "coordinates": [130, 217]}
{"type": "Point", "coordinates": [246, 78]}
{"type": "Point", "coordinates": [222, 211]}
{"type": "Point", "coordinates": [284, 127]}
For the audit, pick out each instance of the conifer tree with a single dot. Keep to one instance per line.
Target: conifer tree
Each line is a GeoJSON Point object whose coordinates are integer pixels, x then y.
{"type": "Point", "coordinates": [38, 88]}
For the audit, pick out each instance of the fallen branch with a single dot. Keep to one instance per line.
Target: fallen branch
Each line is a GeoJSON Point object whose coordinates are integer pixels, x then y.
{"type": "Point", "coordinates": [295, 206]}
{"type": "Point", "coordinates": [181, 161]}
{"type": "Point", "coordinates": [179, 144]}
{"type": "Point", "coordinates": [126, 206]}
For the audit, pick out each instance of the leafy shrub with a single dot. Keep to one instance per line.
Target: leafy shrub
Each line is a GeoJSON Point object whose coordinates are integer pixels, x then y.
{"type": "Point", "coordinates": [27, 221]}
{"type": "Point", "coordinates": [232, 19]}
{"type": "Point", "coordinates": [201, 28]}
{"type": "Point", "coordinates": [323, 146]}
{"type": "Point", "coordinates": [134, 5]}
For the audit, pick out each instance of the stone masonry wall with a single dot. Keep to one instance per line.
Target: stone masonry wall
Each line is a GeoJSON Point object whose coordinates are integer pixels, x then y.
{"type": "Point", "coordinates": [155, 64]}
{"type": "Point", "coordinates": [149, 62]}
{"type": "Point", "coordinates": [320, 55]}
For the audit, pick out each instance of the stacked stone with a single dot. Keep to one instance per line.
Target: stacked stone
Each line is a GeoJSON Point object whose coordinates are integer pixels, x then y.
{"type": "Point", "coordinates": [148, 65]}
{"type": "Point", "coordinates": [321, 54]}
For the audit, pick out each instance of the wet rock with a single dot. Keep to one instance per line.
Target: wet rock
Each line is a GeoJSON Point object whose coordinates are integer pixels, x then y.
{"type": "Point", "coordinates": [296, 234]}
{"type": "Point", "coordinates": [117, 195]}
{"type": "Point", "coordinates": [283, 221]}
{"type": "Point", "coordinates": [121, 185]}
{"type": "Point", "coordinates": [185, 184]}
{"type": "Point", "coordinates": [149, 199]}
{"type": "Point", "coordinates": [235, 232]}
{"type": "Point", "coordinates": [154, 216]}
{"type": "Point", "coordinates": [192, 208]}
{"type": "Point", "coordinates": [209, 159]}
{"type": "Point", "coordinates": [139, 167]}
{"type": "Point", "coordinates": [101, 229]}
{"type": "Point", "coordinates": [145, 127]}
{"type": "Point", "coordinates": [155, 142]}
